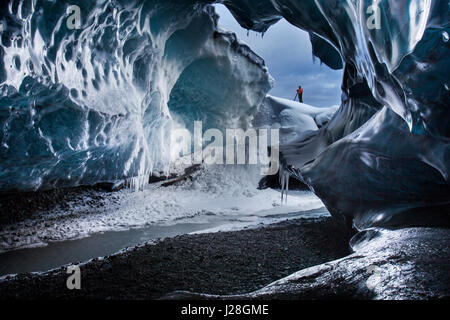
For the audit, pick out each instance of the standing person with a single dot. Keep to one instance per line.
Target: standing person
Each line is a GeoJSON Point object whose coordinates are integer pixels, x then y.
{"type": "Point", "coordinates": [299, 94]}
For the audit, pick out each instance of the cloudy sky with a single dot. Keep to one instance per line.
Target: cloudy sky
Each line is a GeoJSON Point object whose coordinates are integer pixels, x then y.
{"type": "Point", "coordinates": [287, 52]}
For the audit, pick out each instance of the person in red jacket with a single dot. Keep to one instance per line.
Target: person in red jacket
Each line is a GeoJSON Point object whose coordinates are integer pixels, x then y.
{"type": "Point", "coordinates": [299, 94]}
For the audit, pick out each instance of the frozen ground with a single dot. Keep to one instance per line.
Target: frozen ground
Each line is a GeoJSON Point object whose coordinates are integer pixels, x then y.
{"type": "Point", "coordinates": [216, 263]}
{"type": "Point", "coordinates": [232, 204]}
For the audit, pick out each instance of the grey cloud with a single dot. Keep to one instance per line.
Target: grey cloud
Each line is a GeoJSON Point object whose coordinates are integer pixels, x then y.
{"type": "Point", "coordinates": [288, 55]}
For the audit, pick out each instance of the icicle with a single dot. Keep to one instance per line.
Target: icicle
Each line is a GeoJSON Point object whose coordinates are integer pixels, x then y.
{"type": "Point", "coordinates": [284, 182]}
{"type": "Point", "coordinates": [248, 32]}
{"type": "Point", "coordinates": [287, 184]}
{"type": "Point", "coordinates": [137, 183]}
{"type": "Point", "coordinates": [280, 178]}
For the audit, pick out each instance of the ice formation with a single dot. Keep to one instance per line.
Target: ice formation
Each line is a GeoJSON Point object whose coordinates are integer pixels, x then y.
{"type": "Point", "coordinates": [96, 104]}
{"type": "Point", "coordinates": [294, 120]}
{"type": "Point", "coordinates": [384, 158]}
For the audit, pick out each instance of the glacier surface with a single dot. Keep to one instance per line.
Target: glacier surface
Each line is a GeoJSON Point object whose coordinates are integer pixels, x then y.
{"type": "Point", "coordinates": [97, 104]}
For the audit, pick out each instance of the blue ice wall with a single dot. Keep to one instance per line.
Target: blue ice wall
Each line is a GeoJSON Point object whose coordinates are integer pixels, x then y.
{"type": "Point", "coordinates": [81, 106]}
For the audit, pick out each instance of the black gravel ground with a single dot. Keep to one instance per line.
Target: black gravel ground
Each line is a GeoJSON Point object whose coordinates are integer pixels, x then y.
{"type": "Point", "coordinates": [217, 263]}
{"type": "Point", "coordinates": [19, 206]}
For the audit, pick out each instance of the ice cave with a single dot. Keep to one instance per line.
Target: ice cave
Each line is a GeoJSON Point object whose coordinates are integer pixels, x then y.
{"type": "Point", "coordinates": [95, 104]}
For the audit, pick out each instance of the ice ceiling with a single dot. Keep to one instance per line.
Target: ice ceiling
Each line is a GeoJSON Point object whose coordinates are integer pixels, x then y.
{"type": "Point", "coordinates": [80, 106]}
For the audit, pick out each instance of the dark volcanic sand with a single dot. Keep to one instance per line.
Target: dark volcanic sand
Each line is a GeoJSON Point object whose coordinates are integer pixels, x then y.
{"type": "Point", "coordinates": [19, 206]}
{"type": "Point", "coordinates": [216, 263]}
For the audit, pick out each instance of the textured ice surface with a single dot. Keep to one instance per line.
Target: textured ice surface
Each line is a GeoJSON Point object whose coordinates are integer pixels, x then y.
{"type": "Point", "coordinates": [94, 104]}
{"type": "Point", "coordinates": [384, 159]}
{"type": "Point", "coordinates": [292, 118]}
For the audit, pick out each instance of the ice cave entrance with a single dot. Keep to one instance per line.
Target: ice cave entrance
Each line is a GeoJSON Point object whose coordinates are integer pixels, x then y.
{"type": "Point", "coordinates": [287, 52]}
{"type": "Point", "coordinates": [220, 102]}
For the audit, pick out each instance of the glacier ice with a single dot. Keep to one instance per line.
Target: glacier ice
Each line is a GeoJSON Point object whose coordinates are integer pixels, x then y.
{"type": "Point", "coordinates": [96, 104]}
{"type": "Point", "coordinates": [291, 117]}
{"type": "Point", "coordinates": [383, 159]}
{"type": "Point", "coordinates": [294, 120]}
